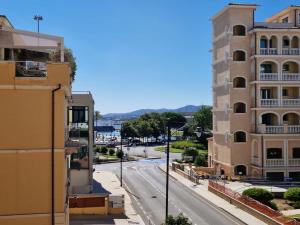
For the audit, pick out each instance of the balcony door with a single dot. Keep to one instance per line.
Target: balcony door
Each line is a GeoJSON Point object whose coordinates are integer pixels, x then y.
{"type": "Point", "coordinates": [265, 93]}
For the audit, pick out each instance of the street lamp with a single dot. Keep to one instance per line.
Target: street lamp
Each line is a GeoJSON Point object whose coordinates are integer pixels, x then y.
{"type": "Point", "coordinates": [38, 18]}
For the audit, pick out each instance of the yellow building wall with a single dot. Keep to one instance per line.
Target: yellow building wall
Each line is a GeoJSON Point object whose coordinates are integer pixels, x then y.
{"type": "Point", "coordinates": [25, 146]}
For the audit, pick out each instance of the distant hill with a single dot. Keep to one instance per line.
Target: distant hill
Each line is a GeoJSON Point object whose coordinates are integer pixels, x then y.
{"type": "Point", "coordinates": [139, 112]}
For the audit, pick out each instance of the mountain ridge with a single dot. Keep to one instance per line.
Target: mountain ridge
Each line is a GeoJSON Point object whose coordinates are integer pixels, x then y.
{"type": "Point", "coordinates": [139, 112]}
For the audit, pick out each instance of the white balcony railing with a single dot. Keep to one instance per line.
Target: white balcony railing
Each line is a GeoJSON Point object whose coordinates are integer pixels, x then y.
{"type": "Point", "coordinates": [269, 102]}
{"type": "Point", "coordinates": [268, 51]}
{"type": "Point", "coordinates": [294, 162]}
{"type": "Point", "coordinates": [274, 162]}
{"type": "Point", "coordinates": [293, 129]}
{"type": "Point", "coordinates": [279, 129]}
{"type": "Point", "coordinates": [269, 76]}
{"type": "Point", "coordinates": [290, 51]}
{"type": "Point", "coordinates": [290, 76]}
{"type": "Point", "coordinates": [291, 102]}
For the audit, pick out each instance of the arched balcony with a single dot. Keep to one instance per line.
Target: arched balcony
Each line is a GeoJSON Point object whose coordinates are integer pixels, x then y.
{"type": "Point", "coordinates": [290, 71]}
{"type": "Point", "coordinates": [290, 46]}
{"type": "Point", "coordinates": [270, 124]}
{"type": "Point", "coordinates": [268, 71]}
{"type": "Point", "coordinates": [268, 46]}
{"type": "Point", "coordinates": [291, 122]}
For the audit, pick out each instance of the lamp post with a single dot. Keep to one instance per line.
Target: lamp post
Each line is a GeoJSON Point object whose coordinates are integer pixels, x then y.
{"type": "Point", "coordinates": [121, 159]}
{"type": "Point", "coordinates": [38, 18]}
{"type": "Point", "coordinates": [167, 172]}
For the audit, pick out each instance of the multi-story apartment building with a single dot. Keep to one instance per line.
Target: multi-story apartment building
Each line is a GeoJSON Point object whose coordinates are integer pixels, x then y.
{"type": "Point", "coordinates": [81, 129]}
{"type": "Point", "coordinates": [34, 97]}
{"type": "Point", "coordinates": [256, 93]}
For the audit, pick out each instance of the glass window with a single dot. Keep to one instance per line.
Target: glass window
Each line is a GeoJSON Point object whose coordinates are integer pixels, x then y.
{"type": "Point", "coordinates": [296, 152]}
{"type": "Point", "coordinates": [274, 153]}
{"type": "Point", "coordinates": [263, 43]}
{"type": "Point", "coordinates": [285, 92]}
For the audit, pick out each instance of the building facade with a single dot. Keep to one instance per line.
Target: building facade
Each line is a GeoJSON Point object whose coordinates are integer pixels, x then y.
{"type": "Point", "coordinates": [256, 93]}
{"type": "Point", "coordinates": [80, 128]}
{"type": "Point", "coordinates": [34, 98]}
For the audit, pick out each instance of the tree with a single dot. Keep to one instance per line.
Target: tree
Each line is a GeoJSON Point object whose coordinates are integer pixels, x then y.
{"type": "Point", "coordinates": [111, 151]}
{"type": "Point", "coordinates": [174, 120]}
{"type": "Point", "coordinates": [104, 150]}
{"type": "Point", "coordinates": [69, 57]}
{"type": "Point", "coordinates": [120, 154]}
{"type": "Point", "coordinates": [98, 116]}
{"type": "Point", "coordinates": [128, 130]}
{"type": "Point", "coordinates": [191, 152]}
{"type": "Point", "coordinates": [292, 194]}
{"type": "Point", "coordinates": [178, 220]}
{"type": "Point", "coordinates": [200, 160]}
{"type": "Point", "coordinates": [144, 129]}
{"type": "Point", "coordinates": [259, 194]}
{"type": "Point", "coordinates": [203, 118]}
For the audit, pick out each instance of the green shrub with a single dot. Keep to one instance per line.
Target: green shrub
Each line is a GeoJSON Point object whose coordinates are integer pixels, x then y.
{"type": "Point", "coordinates": [272, 205]}
{"type": "Point", "coordinates": [259, 194]}
{"type": "Point", "coordinates": [191, 152]}
{"type": "Point", "coordinates": [104, 150]}
{"type": "Point", "coordinates": [292, 194]}
{"type": "Point", "coordinates": [178, 220]}
{"type": "Point", "coordinates": [120, 153]}
{"type": "Point", "coordinates": [111, 151]}
{"type": "Point", "coordinates": [186, 144]}
{"type": "Point", "coordinates": [296, 204]}
{"type": "Point", "coordinates": [98, 149]}
{"type": "Point", "coordinates": [200, 160]}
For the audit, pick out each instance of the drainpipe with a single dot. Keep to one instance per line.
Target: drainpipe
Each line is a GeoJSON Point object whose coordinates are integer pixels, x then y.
{"type": "Point", "coordinates": [52, 154]}
{"type": "Point", "coordinates": [262, 155]}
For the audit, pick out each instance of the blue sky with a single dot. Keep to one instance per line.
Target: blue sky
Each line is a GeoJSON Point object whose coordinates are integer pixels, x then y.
{"type": "Point", "coordinates": [134, 54]}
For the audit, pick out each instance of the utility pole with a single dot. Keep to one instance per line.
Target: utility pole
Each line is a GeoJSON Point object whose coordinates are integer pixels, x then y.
{"type": "Point", "coordinates": [167, 173]}
{"type": "Point", "coordinates": [121, 161]}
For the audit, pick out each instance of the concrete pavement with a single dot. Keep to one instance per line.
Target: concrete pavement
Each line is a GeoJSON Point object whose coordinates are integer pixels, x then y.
{"type": "Point", "coordinates": [202, 190]}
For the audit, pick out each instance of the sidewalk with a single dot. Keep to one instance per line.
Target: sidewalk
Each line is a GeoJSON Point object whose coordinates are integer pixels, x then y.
{"type": "Point", "coordinates": [111, 183]}
{"type": "Point", "coordinates": [202, 190]}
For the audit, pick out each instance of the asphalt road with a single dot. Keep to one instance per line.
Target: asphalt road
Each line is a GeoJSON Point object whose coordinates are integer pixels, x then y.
{"type": "Point", "coordinates": [145, 183]}
{"type": "Point", "coordinates": [150, 152]}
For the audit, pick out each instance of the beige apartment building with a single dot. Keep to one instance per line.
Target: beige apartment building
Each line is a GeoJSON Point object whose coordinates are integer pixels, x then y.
{"type": "Point", "coordinates": [81, 130]}
{"type": "Point", "coordinates": [34, 96]}
{"type": "Point", "coordinates": [256, 93]}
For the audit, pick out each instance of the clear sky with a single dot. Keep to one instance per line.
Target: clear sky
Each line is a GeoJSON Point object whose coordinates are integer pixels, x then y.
{"type": "Point", "coordinates": [134, 54]}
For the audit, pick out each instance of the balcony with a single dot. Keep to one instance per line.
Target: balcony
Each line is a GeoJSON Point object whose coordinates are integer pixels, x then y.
{"type": "Point", "coordinates": [290, 77]}
{"type": "Point", "coordinates": [268, 51]}
{"type": "Point", "coordinates": [290, 51]}
{"type": "Point", "coordinates": [280, 77]}
{"type": "Point", "coordinates": [274, 162]}
{"type": "Point", "coordinates": [279, 129]}
{"type": "Point", "coordinates": [269, 102]}
{"type": "Point", "coordinates": [269, 76]}
{"type": "Point", "coordinates": [294, 162]}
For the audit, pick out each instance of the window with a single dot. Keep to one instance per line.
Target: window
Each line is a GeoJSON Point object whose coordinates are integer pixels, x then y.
{"type": "Point", "coordinates": [239, 30]}
{"type": "Point", "coordinates": [274, 153]}
{"type": "Point", "coordinates": [78, 114]}
{"type": "Point", "coordinates": [285, 92]}
{"type": "Point", "coordinates": [263, 43]}
{"type": "Point", "coordinates": [285, 43]}
{"type": "Point", "coordinates": [266, 68]}
{"type": "Point", "coordinates": [239, 82]}
{"type": "Point", "coordinates": [240, 136]}
{"type": "Point", "coordinates": [285, 118]}
{"type": "Point", "coordinates": [285, 20]}
{"type": "Point", "coordinates": [265, 93]}
{"type": "Point", "coordinates": [239, 55]}
{"type": "Point", "coordinates": [286, 67]}
{"type": "Point", "coordinates": [239, 107]}
{"type": "Point", "coordinates": [296, 152]}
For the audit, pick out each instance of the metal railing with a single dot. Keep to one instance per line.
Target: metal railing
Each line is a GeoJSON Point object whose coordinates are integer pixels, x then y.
{"type": "Point", "coordinates": [31, 69]}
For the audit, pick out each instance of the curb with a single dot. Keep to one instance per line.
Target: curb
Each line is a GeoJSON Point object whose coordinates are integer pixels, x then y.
{"type": "Point", "coordinates": [165, 172]}
{"type": "Point", "coordinates": [205, 199]}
